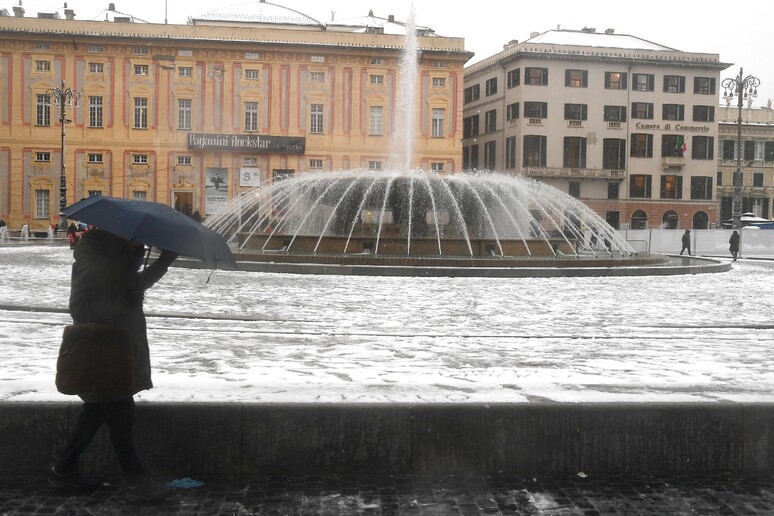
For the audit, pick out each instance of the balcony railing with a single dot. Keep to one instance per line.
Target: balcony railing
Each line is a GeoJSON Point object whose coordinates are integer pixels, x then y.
{"type": "Point", "coordinates": [591, 173]}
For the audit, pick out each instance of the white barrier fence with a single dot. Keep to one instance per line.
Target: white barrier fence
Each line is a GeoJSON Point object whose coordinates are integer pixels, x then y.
{"type": "Point", "coordinates": [754, 243]}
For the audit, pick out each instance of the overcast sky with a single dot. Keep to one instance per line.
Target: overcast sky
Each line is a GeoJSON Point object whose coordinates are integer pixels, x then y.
{"type": "Point", "coordinates": [739, 33]}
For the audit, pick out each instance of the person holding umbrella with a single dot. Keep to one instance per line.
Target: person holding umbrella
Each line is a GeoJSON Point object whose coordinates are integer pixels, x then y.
{"type": "Point", "coordinates": [108, 289]}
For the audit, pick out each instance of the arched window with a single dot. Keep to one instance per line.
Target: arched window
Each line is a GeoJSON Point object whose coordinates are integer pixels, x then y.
{"type": "Point", "coordinates": [669, 220]}
{"type": "Point", "coordinates": [700, 220]}
{"type": "Point", "coordinates": [639, 220]}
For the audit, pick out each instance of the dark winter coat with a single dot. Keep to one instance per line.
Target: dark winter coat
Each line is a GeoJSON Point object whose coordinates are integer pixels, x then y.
{"type": "Point", "coordinates": [733, 242]}
{"type": "Point", "coordinates": [686, 240]}
{"type": "Point", "coordinates": [106, 288]}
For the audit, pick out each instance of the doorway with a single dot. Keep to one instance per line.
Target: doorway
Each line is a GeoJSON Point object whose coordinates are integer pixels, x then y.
{"type": "Point", "coordinates": [183, 202]}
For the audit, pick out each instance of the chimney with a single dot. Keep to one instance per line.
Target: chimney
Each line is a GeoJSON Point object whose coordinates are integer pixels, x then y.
{"type": "Point", "coordinates": [111, 6]}
{"type": "Point", "coordinates": [609, 31]}
{"type": "Point", "coordinates": [69, 13]}
{"type": "Point", "coordinates": [18, 11]}
{"type": "Point", "coordinates": [391, 18]}
{"type": "Point", "coordinates": [534, 34]}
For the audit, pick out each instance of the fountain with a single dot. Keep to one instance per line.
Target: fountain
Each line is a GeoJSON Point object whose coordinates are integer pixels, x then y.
{"type": "Point", "coordinates": [415, 218]}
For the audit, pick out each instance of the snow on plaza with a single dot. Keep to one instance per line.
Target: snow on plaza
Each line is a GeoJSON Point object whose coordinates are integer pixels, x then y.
{"type": "Point", "coordinates": [271, 338]}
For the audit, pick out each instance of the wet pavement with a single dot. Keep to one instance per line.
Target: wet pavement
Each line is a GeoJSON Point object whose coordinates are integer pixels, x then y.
{"type": "Point", "coordinates": [411, 495]}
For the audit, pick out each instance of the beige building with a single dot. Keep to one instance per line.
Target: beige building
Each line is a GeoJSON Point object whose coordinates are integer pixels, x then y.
{"type": "Point", "coordinates": [757, 163]}
{"type": "Point", "coordinates": [192, 115]}
{"type": "Point", "coordinates": [627, 126]}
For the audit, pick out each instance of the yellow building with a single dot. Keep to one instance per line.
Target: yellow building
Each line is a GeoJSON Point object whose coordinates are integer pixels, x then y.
{"type": "Point", "coordinates": [192, 115]}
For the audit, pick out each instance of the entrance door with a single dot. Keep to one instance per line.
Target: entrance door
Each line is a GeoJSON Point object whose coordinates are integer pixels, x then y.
{"type": "Point", "coordinates": [183, 202]}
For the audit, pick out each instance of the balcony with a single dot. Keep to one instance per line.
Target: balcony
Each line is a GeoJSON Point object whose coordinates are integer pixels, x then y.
{"type": "Point", "coordinates": [588, 173]}
{"type": "Point", "coordinates": [574, 123]}
{"type": "Point", "coordinates": [673, 162]}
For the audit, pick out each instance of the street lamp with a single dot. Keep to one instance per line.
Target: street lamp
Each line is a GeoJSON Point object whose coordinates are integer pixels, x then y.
{"type": "Point", "coordinates": [64, 98]}
{"type": "Point", "coordinates": [743, 88]}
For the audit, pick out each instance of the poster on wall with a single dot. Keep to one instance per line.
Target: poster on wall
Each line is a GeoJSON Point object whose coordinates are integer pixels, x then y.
{"type": "Point", "coordinates": [249, 176]}
{"type": "Point", "coordinates": [216, 189]}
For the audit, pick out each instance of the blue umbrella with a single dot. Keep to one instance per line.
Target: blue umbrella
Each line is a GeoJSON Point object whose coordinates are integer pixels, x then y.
{"type": "Point", "coordinates": [156, 225]}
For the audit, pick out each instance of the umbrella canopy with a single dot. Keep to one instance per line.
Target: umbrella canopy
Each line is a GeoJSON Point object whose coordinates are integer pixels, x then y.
{"type": "Point", "coordinates": [156, 225]}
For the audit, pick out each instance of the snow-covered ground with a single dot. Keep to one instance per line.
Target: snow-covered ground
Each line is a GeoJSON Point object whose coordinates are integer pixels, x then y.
{"type": "Point", "coordinates": [257, 337]}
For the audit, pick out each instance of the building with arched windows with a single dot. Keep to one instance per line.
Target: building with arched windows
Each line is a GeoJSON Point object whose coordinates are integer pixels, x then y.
{"type": "Point", "coordinates": [626, 125]}
{"type": "Point", "coordinates": [192, 115]}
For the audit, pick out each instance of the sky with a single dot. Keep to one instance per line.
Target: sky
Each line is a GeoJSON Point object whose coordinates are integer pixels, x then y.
{"type": "Point", "coordinates": [740, 35]}
{"type": "Point", "coordinates": [289, 338]}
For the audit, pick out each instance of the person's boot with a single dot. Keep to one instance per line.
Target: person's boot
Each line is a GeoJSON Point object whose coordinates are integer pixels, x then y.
{"type": "Point", "coordinates": [72, 480]}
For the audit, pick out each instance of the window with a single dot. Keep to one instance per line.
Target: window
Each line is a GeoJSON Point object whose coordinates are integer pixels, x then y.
{"type": "Point", "coordinates": [43, 156]}
{"type": "Point", "coordinates": [642, 145]}
{"type": "Point", "coordinates": [439, 82]}
{"type": "Point", "coordinates": [470, 126]}
{"type": "Point", "coordinates": [184, 160]}
{"type": "Point", "coordinates": [96, 68]}
{"type": "Point", "coordinates": [614, 153]}
{"type": "Point", "coordinates": [674, 84]}
{"type": "Point", "coordinates": [672, 145]}
{"type": "Point", "coordinates": [673, 112]}
{"type": "Point", "coordinates": [375, 121]}
{"type": "Point", "coordinates": [140, 51]}
{"type": "Point", "coordinates": [615, 80]}
{"type": "Point", "coordinates": [536, 76]}
{"type": "Point", "coordinates": [703, 113]}
{"type": "Point", "coordinates": [471, 93]}
{"type": "Point", "coordinates": [727, 150]}
{"type": "Point", "coordinates": [249, 161]}
{"type": "Point", "coordinates": [510, 152]}
{"type": "Point", "coordinates": [436, 166]}
{"type": "Point", "coordinates": [438, 122]}
{"type": "Point", "coordinates": [643, 82]}
{"type": "Point", "coordinates": [184, 113]}
{"type": "Point", "coordinates": [377, 61]}
{"type": "Point", "coordinates": [702, 147]}
{"type": "Point", "coordinates": [574, 152]}
{"type": "Point", "coordinates": [576, 78]}
{"type": "Point", "coordinates": [513, 78]}
{"type": "Point", "coordinates": [642, 110]}
{"type": "Point", "coordinates": [374, 165]}
{"type": "Point", "coordinates": [42, 110]}
{"type": "Point", "coordinates": [491, 86]}
{"type": "Point", "coordinates": [42, 204]}
{"type": "Point", "coordinates": [490, 155]}
{"type": "Point", "coordinates": [315, 163]}
{"type": "Point", "coordinates": [140, 195]}
{"type": "Point", "coordinates": [758, 179]}
{"type": "Point", "coordinates": [185, 53]}
{"type": "Point", "coordinates": [95, 49]}
{"type": "Point", "coordinates": [93, 193]}
{"type": "Point", "coordinates": [490, 121]}
{"type": "Point", "coordinates": [377, 79]}
{"type": "Point", "coordinates": [704, 85]}
{"type": "Point", "coordinates": [251, 74]}
{"type": "Point", "coordinates": [470, 157]}
{"type": "Point", "coordinates": [43, 66]}
{"type": "Point", "coordinates": [140, 113]}
{"type": "Point", "coordinates": [574, 189]}
{"type": "Point", "coordinates": [768, 151]}
{"type": "Point", "coordinates": [95, 157]}
{"type": "Point", "coordinates": [185, 71]}
{"type": "Point", "coordinates": [534, 151]}
{"type": "Point", "coordinates": [640, 186]}
{"type": "Point", "coordinates": [615, 113]}
{"type": "Point", "coordinates": [95, 111]}
{"type": "Point", "coordinates": [512, 111]}
{"type": "Point", "coordinates": [141, 69]}
{"type": "Point", "coordinates": [317, 59]}
{"type": "Point", "coordinates": [436, 64]}
{"type": "Point", "coordinates": [613, 189]}
{"type": "Point", "coordinates": [252, 55]}
{"type": "Point", "coordinates": [535, 110]}
{"type": "Point", "coordinates": [701, 187]}
{"type": "Point", "coordinates": [316, 118]}
{"type": "Point", "coordinates": [720, 179]}
{"type": "Point", "coordinates": [140, 159]}
{"type": "Point", "coordinates": [749, 151]}
{"type": "Point", "coordinates": [671, 187]}
{"type": "Point", "coordinates": [575, 111]}
{"type": "Point", "coordinates": [251, 116]}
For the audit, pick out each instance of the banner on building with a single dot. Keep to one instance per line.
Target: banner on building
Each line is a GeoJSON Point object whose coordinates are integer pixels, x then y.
{"type": "Point", "coordinates": [215, 189]}
{"type": "Point", "coordinates": [253, 143]}
{"type": "Point", "coordinates": [250, 176]}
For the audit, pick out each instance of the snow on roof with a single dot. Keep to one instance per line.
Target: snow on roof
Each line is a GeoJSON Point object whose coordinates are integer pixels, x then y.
{"type": "Point", "coordinates": [591, 38]}
{"type": "Point", "coordinates": [257, 12]}
{"type": "Point", "coordinates": [371, 22]}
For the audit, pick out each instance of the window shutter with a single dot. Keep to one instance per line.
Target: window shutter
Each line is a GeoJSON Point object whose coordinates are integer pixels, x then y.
{"type": "Point", "coordinates": [679, 187]}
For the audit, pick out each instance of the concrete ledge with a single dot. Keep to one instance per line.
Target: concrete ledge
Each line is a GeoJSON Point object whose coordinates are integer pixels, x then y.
{"type": "Point", "coordinates": [421, 439]}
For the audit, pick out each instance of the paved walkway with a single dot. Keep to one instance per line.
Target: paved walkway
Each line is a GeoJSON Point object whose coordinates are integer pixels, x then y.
{"type": "Point", "coordinates": [405, 495]}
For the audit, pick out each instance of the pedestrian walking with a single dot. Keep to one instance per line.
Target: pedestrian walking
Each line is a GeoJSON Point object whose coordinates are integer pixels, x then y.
{"type": "Point", "coordinates": [107, 290]}
{"type": "Point", "coordinates": [733, 244]}
{"type": "Point", "coordinates": [25, 232]}
{"type": "Point", "coordinates": [686, 242]}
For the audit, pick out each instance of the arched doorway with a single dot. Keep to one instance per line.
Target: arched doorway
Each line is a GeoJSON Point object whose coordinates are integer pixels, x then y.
{"type": "Point", "coordinates": [669, 220]}
{"type": "Point", "coordinates": [700, 220]}
{"type": "Point", "coordinates": [639, 220]}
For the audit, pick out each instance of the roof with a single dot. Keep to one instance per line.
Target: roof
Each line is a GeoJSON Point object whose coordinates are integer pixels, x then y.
{"type": "Point", "coordinates": [373, 23]}
{"type": "Point", "coordinates": [590, 38]}
{"type": "Point", "coordinates": [257, 11]}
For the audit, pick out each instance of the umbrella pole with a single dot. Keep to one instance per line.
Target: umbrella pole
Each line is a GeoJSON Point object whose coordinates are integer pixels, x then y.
{"type": "Point", "coordinates": [147, 256]}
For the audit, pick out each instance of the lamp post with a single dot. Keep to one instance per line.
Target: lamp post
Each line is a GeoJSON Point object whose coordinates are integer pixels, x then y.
{"type": "Point", "coordinates": [64, 98]}
{"type": "Point", "coordinates": [743, 88]}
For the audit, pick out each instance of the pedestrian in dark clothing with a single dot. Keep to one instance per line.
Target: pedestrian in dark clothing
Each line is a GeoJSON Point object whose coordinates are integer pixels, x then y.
{"type": "Point", "coordinates": [686, 242]}
{"type": "Point", "coordinates": [107, 289]}
{"type": "Point", "coordinates": [733, 244]}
